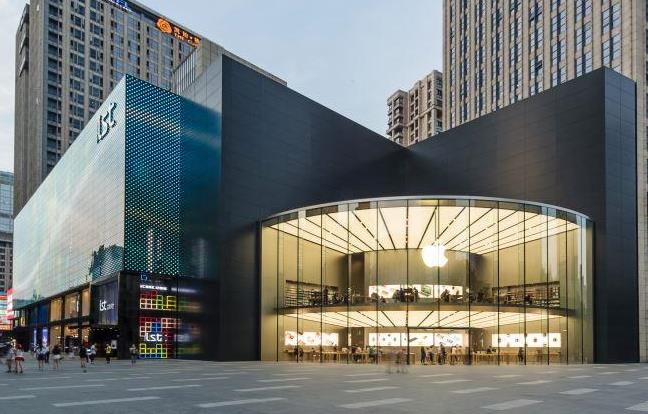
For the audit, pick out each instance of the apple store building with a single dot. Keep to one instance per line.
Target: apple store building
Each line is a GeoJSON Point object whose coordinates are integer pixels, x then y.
{"type": "Point", "coordinates": [430, 279]}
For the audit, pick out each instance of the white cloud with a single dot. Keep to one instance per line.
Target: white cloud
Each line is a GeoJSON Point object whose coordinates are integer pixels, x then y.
{"type": "Point", "coordinates": [10, 11]}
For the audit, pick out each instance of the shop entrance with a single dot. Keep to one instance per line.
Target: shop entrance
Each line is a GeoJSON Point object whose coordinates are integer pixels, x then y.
{"type": "Point", "coordinates": [103, 335]}
{"type": "Point", "coordinates": [438, 346]}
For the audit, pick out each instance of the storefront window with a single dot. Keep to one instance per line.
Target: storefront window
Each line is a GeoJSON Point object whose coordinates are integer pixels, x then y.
{"type": "Point", "coordinates": [71, 339]}
{"type": "Point", "coordinates": [71, 306]}
{"type": "Point", "coordinates": [450, 281]}
{"type": "Point", "coordinates": [55, 335]}
{"type": "Point", "coordinates": [56, 305]}
{"type": "Point", "coordinates": [85, 302]}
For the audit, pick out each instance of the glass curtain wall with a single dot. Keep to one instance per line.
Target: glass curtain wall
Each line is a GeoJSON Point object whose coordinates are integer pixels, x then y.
{"type": "Point", "coordinates": [427, 281]}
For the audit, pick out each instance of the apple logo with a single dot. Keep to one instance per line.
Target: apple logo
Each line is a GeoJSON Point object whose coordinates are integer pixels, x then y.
{"type": "Point", "coordinates": [434, 255]}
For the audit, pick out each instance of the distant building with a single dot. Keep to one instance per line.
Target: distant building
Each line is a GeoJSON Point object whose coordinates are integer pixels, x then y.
{"type": "Point", "coordinates": [6, 230]}
{"type": "Point", "coordinates": [69, 56]}
{"type": "Point", "coordinates": [418, 114]}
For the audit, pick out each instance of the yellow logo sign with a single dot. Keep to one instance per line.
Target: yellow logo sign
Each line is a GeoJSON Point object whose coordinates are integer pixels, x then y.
{"type": "Point", "coordinates": [164, 26]}
{"type": "Point", "coordinates": [167, 27]}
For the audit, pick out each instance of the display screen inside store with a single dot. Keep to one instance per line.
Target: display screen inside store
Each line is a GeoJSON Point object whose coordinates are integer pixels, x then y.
{"type": "Point", "coordinates": [415, 339]}
{"type": "Point", "coordinates": [533, 340]}
{"type": "Point", "coordinates": [422, 291]}
{"type": "Point", "coordinates": [311, 339]}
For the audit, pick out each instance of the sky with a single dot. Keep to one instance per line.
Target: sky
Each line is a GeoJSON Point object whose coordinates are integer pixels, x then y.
{"type": "Point", "coordinates": [348, 55]}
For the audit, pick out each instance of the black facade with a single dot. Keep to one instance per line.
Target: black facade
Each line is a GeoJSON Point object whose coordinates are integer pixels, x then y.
{"type": "Point", "coordinates": [572, 146]}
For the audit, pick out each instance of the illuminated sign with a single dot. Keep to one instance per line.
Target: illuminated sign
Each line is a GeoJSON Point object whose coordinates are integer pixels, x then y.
{"type": "Point", "coordinates": [10, 311]}
{"type": "Point", "coordinates": [105, 306]}
{"type": "Point", "coordinates": [415, 339]}
{"type": "Point", "coordinates": [533, 340]}
{"type": "Point", "coordinates": [107, 121]}
{"type": "Point", "coordinates": [122, 4]}
{"type": "Point", "coordinates": [153, 337]}
{"type": "Point", "coordinates": [179, 33]}
{"type": "Point", "coordinates": [292, 338]}
{"type": "Point", "coordinates": [157, 337]}
{"type": "Point", "coordinates": [155, 301]}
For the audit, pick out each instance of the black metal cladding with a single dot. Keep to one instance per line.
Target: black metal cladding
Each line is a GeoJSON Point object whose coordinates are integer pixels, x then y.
{"type": "Point", "coordinates": [573, 146]}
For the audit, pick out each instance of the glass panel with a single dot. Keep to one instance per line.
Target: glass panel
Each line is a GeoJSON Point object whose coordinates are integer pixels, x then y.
{"type": "Point", "coordinates": [535, 286]}
{"type": "Point", "coordinates": [510, 293]}
{"type": "Point", "coordinates": [71, 341]}
{"type": "Point", "coordinates": [313, 294]}
{"type": "Point", "coordinates": [55, 309]}
{"type": "Point", "coordinates": [288, 292]}
{"type": "Point", "coordinates": [55, 337]}
{"type": "Point", "coordinates": [556, 340]}
{"type": "Point", "coordinates": [392, 265]}
{"type": "Point", "coordinates": [85, 302]}
{"type": "Point", "coordinates": [365, 285]}
{"type": "Point", "coordinates": [423, 278]}
{"type": "Point", "coordinates": [454, 316]}
{"type": "Point", "coordinates": [335, 278]}
{"type": "Point", "coordinates": [71, 306]}
{"type": "Point", "coordinates": [483, 281]}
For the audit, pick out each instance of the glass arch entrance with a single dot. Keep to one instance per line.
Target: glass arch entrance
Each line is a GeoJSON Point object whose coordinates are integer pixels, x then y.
{"type": "Point", "coordinates": [439, 280]}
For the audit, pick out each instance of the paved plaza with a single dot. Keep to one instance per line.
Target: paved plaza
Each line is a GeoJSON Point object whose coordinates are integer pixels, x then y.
{"type": "Point", "coordinates": [255, 387]}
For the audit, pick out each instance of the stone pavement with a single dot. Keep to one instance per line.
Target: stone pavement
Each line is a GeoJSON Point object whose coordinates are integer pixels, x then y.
{"type": "Point", "coordinates": [254, 387]}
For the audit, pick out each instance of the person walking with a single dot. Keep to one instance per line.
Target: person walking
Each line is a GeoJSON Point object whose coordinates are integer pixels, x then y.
{"type": "Point", "coordinates": [56, 356]}
{"type": "Point", "coordinates": [40, 357]}
{"type": "Point", "coordinates": [453, 355]}
{"type": "Point", "coordinates": [133, 354]}
{"type": "Point", "coordinates": [108, 352]}
{"type": "Point", "coordinates": [83, 357]}
{"type": "Point", "coordinates": [423, 356]}
{"type": "Point", "coordinates": [47, 354]}
{"type": "Point", "coordinates": [93, 353]}
{"type": "Point", "coordinates": [19, 358]}
{"type": "Point", "coordinates": [11, 355]}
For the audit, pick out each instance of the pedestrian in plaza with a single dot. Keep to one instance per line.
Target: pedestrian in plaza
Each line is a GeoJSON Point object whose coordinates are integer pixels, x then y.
{"type": "Point", "coordinates": [453, 355]}
{"type": "Point", "coordinates": [47, 354]}
{"type": "Point", "coordinates": [83, 357]}
{"type": "Point", "coordinates": [521, 355]}
{"type": "Point", "coordinates": [10, 356]}
{"type": "Point", "coordinates": [108, 352]}
{"type": "Point", "coordinates": [40, 356]}
{"type": "Point", "coordinates": [423, 355]}
{"type": "Point", "coordinates": [57, 356]}
{"type": "Point", "coordinates": [19, 358]}
{"type": "Point", "coordinates": [93, 353]}
{"type": "Point", "coordinates": [442, 355]}
{"type": "Point", "coordinates": [133, 354]}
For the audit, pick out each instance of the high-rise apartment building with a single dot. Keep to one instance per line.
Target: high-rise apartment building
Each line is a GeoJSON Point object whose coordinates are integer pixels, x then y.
{"type": "Point", "coordinates": [418, 114]}
{"type": "Point", "coordinates": [497, 52]}
{"type": "Point", "coordinates": [69, 56]}
{"type": "Point", "coordinates": [6, 230]}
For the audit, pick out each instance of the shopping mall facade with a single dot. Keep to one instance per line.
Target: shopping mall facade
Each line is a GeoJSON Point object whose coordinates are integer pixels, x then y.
{"type": "Point", "coordinates": [243, 221]}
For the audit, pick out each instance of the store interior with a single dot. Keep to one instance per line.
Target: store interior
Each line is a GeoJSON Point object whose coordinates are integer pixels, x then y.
{"type": "Point", "coordinates": [451, 281]}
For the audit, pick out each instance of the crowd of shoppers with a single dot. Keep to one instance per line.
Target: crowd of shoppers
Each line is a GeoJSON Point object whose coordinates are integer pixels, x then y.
{"type": "Point", "coordinates": [14, 356]}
